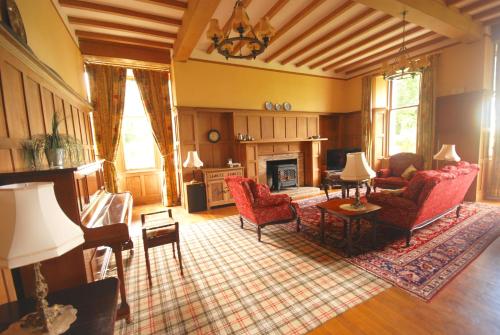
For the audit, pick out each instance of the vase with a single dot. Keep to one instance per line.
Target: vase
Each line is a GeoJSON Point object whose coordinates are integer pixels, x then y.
{"type": "Point", "coordinates": [55, 157]}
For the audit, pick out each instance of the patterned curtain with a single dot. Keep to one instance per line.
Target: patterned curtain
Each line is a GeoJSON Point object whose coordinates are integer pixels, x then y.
{"type": "Point", "coordinates": [366, 117]}
{"type": "Point", "coordinates": [153, 86]}
{"type": "Point", "coordinates": [425, 118]}
{"type": "Point", "coordinates": [107, 89]}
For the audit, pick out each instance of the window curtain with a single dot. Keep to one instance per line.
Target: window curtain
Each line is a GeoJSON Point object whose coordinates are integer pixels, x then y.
{"type": "Point", "coordinates": [366, 117]}
{"type": "Point", "coordinates": [425, 118]}
{"type": "Point", "coordinates": [107, 89]}
{"type": "Point", "coordinates": [155, 95]}
{"type": "Point", "coordinates": [493, 169]}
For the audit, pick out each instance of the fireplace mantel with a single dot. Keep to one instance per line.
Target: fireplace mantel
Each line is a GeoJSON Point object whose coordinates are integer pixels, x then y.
{"type": "Point", "coordinates": [276, 140]}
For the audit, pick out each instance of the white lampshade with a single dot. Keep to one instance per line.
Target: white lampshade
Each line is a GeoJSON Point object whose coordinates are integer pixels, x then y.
{"type": "Point", "coordinates": [192, 160]}
{"type": "Point", "coordinates": [33, 226]}
{"type": "Point", "coordinates": [447, 153]}
{"type": "Point", "coordinates": [357, 168]}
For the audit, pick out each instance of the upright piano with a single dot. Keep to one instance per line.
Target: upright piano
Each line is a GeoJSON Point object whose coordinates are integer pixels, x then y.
{"type": "Point", "coordinates": [104, 218]}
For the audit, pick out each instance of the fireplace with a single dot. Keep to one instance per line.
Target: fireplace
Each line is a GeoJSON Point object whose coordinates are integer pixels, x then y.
{"type": "Point", "coordinates": [282, 173]}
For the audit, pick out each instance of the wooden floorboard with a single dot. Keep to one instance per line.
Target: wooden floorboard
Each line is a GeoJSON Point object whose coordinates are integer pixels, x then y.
{"type": "Point", "coordinates": [469, 304]}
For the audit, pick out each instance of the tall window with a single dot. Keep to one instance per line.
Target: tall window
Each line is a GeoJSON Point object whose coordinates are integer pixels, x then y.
{"type": "Point", "coordinates": [403, 110]}
{"type": "Point", "coordinates": [137, 137]}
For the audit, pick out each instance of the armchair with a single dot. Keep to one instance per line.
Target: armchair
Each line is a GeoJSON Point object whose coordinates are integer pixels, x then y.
{"type": "Point", "coordinates": [256, 204]}
{"type": "Point", "coordinates": [391, 177]}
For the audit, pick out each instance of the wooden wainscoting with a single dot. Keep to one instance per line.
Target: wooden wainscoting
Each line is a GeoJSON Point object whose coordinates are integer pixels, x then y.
{"type": "Point", "coordinates": [30, 93]}
{"type": "Point", "coordinates": [145, 186]}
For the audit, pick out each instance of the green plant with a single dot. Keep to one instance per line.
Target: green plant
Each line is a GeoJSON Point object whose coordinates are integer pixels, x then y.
{"type": "Point", "coordinates": [32, 150]}
{"type": "Point", "coordinates": [55, 140]}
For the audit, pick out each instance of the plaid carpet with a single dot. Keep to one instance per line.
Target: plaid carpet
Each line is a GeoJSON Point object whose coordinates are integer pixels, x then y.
{"type": "Point", "coordinates": [437, 253]}
{"type": "Point", "coordinates": [234, 285]}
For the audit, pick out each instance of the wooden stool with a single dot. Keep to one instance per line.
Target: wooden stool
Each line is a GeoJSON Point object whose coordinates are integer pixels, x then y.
{"type": "Point", "coordinates": [160, 231]}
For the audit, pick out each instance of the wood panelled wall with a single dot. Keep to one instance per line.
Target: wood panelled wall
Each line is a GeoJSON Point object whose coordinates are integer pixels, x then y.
{"type": "Point", "coordinates": [30, 93]}
{"type": "Point", "coordinates": [343, 130]}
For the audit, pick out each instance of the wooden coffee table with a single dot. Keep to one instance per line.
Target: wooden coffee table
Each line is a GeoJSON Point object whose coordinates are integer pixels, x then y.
{"type": "Point", "coordinates": [348, 217]}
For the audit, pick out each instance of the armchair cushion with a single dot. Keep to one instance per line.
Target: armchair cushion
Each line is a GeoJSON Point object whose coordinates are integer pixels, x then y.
{"type": "Point", "coordinates": [272, 200]}
{"type": "Point", "coordinates": [390, 182]}
{"type": "Point", "coordinates": [409, 172]}
{"type": "Point", "coordinates": [384, 173]}
{"type": "Point", "coordinates": [260, 190]}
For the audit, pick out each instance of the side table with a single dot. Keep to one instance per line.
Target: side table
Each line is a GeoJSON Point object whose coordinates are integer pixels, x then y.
{"type": "Point", "coordinates": [333, 179]}
{"type": "Point", "coordinates": [96, 303]}
{"type": "Point", "coordinates": [348, 217]}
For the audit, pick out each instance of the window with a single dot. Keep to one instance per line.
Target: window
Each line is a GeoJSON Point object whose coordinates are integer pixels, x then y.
{"type": "Point", "coordinates": [403, 112]}
{"type": "Point", "coordinates": [138, 143]}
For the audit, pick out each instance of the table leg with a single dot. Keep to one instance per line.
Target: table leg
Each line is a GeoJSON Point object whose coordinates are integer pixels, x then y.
{"type": "Point", "coordinates": [326, 188]}
{"type": "Point", "coordinates": [349, 237]}
{"type": "Point", "coordinates": [368, 189]}
{"type": "Point", "coordinates": [322, 226]}
{"type": "Point", "coordinates": [343, 191]}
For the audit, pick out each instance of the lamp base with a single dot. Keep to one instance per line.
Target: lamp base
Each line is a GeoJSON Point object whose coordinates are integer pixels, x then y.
{"type": "Point", "coordinates": [64, 316]}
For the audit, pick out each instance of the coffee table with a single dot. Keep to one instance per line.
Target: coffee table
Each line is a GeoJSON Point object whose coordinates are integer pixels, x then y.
{"type": "Point", "coordinates": [348, 217]}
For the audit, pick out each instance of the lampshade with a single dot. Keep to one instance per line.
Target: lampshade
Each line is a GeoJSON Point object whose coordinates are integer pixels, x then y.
{"type": "Point", "coordinates": [33, 226]}
{"type": "Point", "coordinates": [357, 168]}
{"type": "Point", "coordinates": [192, 160]}
{"type": "Point", "coordinates": [447, 153]}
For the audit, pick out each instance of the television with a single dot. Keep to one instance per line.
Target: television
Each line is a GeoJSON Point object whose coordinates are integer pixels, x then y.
{"type": "Point", "coordinates": [336, 158]}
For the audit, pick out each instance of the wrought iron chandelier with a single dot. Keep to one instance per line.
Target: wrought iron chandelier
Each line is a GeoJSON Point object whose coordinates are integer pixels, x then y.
{"type": "Point", "coordinates": [402, 66]}
{"type": "Point", "coordinates": [250, 42]}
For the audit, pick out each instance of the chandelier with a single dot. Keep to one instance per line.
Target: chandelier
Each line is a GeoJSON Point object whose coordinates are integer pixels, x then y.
{"type": "Point", "coordinates": [250, 42]}
{"type": "Point", "coordinates": [402, 66]}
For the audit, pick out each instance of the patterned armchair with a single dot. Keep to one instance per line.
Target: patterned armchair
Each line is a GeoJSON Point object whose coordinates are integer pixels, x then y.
{"type": "Point", "coordinates": [391, 177]}
{"type": "Point", "coordinates": [256, 204]}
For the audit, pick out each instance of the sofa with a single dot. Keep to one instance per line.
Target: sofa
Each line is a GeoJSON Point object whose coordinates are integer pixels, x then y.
{"type": "Point", "coordinates": [429, 195]}
{"type": "Point", "coordinates": [256, 204]}
{"type": "Point", "coordinates": [391, 178]}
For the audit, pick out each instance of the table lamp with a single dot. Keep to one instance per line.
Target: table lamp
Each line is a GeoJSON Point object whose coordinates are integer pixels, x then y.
{"type": "Point", "coordinates": [356, 170]}
{"type": "Point", "coordinates": [193, 161]}
{"type": "Point", "coordinates": [447, 153]}
{"type": "Point", "coordinates": [33, 229]}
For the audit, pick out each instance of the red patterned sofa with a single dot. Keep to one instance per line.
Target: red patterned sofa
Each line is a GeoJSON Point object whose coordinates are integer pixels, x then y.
{"type": "Point", "coordinates": [256, 204]}
{"type": "Point", "coordinates": [430, 195]}
{"type": "Point", "coordinates": [391, 177]}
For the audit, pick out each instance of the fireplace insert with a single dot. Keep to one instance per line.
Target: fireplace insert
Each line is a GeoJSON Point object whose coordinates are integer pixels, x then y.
{"type": "Point", "coordinates": [282, 174]}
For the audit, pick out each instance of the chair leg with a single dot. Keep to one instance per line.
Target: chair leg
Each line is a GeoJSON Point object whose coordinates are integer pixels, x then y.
{"type": "Point", "coordinates": [148, 266]}
{"type": "Point", "coordinates": [241, 220]}
{"type": "Point", "coordinates": [459, 207]}
{"type": "Point", "coordinates": [173, 249]}
{"type": "Point", "coordinates": [258, 233]}
{"type": "Point", "coordinates": [180, 257]}
{"type": "Point", "coordinates": [298, 225]}
{"type": "Point", "coordinates": [408, 238]}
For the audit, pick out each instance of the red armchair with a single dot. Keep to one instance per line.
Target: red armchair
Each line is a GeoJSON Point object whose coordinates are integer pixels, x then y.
{"type": "Point", "coordinates": [391, 177]}
{"type": "Point", "coordinates": [256, 204]}
{"type": "Point", "coordinates": [430, 195]}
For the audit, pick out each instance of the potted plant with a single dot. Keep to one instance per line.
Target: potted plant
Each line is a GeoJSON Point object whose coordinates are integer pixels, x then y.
{"type": "Point", "coordinates": [55, 144]}
{"type": "Point", "coordinates": [32, 152]}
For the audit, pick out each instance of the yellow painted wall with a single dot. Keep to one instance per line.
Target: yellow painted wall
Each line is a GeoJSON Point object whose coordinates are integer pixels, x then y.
{"type": "Point", "coordinates": [51, 42]}
{"type": "Point", "coordinates": [203, 84]}
{"type": "Point", "coordinates": [353, 95]}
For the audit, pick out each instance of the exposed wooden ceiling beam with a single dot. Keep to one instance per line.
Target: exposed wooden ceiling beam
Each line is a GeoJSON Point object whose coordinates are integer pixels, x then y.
{"type": "Point", "coordinates": [453, 2]}
{"type": "Point", "coordinates": [492, 22]}
{"type": "Point", "coordinates": [479, 5]}
{"type": "Point", "coordinates": [364, 51]}
{"type": "Point", "coordinates": [174, 4]}
{"type": "Point", "coordinates": [487, 14]}
{"type": "Point", "coordinates": [227, 26]}
{"type": "Point", "coordinates": [439, 39]}
{"type": "Point", "coordinates": [358, 45]}
{"type": "Point", "coordinates": [433, 15]}
{"type": "Point", "coordinates": [344, 40]}
{"type": "Point", "coordinates": [384, 51]}
{"type": "Point", "coordinates": [95, 7]}
{"type": "Point", "coordinates": [121, 39]}
{"type": "Point", "coordinates": [123, 51]}
{"type": "Point", "coordinates": [194, 22]}
{"type": "Point", "coordinates": [320, 24]}
{"type": "Point", "coordinates": [118, 26]}
{"type": "Point", "coordinates": [270, 14]}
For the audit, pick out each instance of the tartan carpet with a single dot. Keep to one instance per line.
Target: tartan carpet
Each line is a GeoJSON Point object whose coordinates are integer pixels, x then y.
{"type": "Point", "coordinates": [437, 252]}
{"type": "Point", "coordinates": [233, 284]}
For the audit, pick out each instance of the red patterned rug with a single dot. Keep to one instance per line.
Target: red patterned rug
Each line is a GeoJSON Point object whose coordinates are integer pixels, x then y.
{"type": "Point", "coordinates": [437, 253]}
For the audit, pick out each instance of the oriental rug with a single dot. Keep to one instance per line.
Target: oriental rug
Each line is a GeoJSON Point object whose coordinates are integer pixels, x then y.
{"type": "Point", "coordinates": [233, 284]}
{"type": "Point", "coordinates": [437, 252]}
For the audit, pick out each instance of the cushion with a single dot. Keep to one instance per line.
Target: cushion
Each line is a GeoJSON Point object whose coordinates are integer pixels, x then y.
{"type": "Point", "coordinates": [409, 172]}
{"type": "Point", "coordinates": [393, 182]}
{"type": "Point", "coordinates": [396, 192]}
{"type": "Point", "coordinates": [414, 187]}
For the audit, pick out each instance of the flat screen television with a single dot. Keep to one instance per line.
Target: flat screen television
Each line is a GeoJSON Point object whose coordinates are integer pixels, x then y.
{"type": "Point", "coordinates": [336, 158]}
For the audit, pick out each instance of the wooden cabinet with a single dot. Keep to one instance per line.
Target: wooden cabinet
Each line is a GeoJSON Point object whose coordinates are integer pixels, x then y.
{"type": "Point", "coordinates": [216, 188]}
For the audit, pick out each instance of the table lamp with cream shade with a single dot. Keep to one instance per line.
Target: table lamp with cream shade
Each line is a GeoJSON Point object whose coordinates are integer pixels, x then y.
{"type": "Point", "coordinates": [34, 229]}
{"type": "Point", "coordinates": [356, 170]}
{"type": "Point", "coordinates": [193, 162]}
{"type": "Point", "coordinates": [447, 153]}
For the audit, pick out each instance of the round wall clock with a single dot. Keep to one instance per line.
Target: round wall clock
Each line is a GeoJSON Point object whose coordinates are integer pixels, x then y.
{"type": "Point", "coordinates": [213, 135]}
{"type": "Point", "coordinates": [11, 18]}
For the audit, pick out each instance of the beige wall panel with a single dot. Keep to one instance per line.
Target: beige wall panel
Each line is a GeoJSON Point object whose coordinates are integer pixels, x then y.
{"type": "Point", "coordinates": [152, 184]}
{"type": "Point", "coordinates": [267, 127]}
{"type": "Point", "coordinates": [18, 159]}
{"type": "Point", "coordinates": [279, 127]}
{"type": "Point", "coordinates": [254, 127]}
{"type": "Point", "coordinates": [3, 125]}
{"type": "Point", "coordinates": [220, 153]}
{"type": "Point", "coordinates": [281, 148]}
{"type": "Point", "coordinates": [206, 156]}
{"type": "Point", "coordinates": [265, 149]}
{"type": "Point", "coordinates": [48, 110]}
{"type": "Point", "coordinates": [69, 119]}
{"type": "Point", "coordinates": [251, 171]}
{"type": "Point", "coordinates": [301, 127]}
{"type": "Point", "coordinates": [59, 108]}
{"type": "Point", "coordinates": [5, 161]}
{"type": "Point", "coordinates": [204, 125]}
{"type": "Point", "coordinates": [312, 126]}
{"type": "Point", "coordinates": [34, 105]}
{"type": "Point", "coordinates": [294, 147]}
{"type": "Point", "coordinates": [133, 184]}
{"type": "Point", "coordinates": [76, 122]}
{"type": "Point", "coordinates": [12, 84]}
{"type": "Point", "coordinates": [291, 127]}
{"type": "Point", "coordinates": [251, 152]}
{"type": "Point", "coordinates": [186, 127]}
{"type": "Point", "coordinates": [240, 124]}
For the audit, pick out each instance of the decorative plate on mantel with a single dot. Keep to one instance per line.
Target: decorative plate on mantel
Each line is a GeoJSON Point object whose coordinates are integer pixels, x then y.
{"type": "Point", "coordinates": [287, 106]}
{"type": "Point", "coordinates": [268, 105]}
{"type": "Point", "coordinates": [277, 107]}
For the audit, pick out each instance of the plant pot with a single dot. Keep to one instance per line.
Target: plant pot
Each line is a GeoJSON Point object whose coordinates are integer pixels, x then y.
{"type": "Point", "coordinates": [55, 157]}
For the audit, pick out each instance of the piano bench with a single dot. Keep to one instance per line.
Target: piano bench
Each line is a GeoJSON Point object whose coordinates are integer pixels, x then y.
{"type": "Point", "coordinates": [158, 230]}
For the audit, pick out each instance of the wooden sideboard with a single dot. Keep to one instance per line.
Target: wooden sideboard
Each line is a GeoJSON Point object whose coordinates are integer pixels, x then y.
{"type": "Point", "coordinates": [217, 191]}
